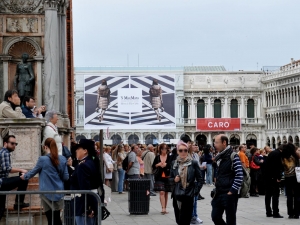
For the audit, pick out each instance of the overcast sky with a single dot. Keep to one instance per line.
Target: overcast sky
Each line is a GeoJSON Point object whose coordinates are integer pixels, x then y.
{"type": "Point", "coordinates": [235, 33]}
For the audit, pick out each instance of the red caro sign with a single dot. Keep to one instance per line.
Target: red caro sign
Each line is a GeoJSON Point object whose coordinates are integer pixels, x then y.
{"type": "Point", "coordinates": [219, 124]}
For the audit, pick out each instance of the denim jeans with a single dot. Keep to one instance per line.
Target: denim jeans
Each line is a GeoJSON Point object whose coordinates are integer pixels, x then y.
{"type": "Point", "coordinates": [80, 220]}
{"type": "Point", "coordinates": [194, 214]}
{"type": "Point", "coordinates": [227, 203]}
{"type": "Point", "coordinates": [208, 173]}
{"type": "Point", "coordinates": [121, 173]}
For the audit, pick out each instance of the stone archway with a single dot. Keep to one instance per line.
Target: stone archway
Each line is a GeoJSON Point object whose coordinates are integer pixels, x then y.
{"type": "Point", "coordinates": [290, 140]}
{"type": "Point", "coordinates": [273, 142]}
{"type": "Point", "coordinates": [79, 137]}
{"type": "Point", "coordinates": [116, 139]}
{"type": "Point", "coordinates": [150, 139]}
{"type": "Point", "coordinates": [278, 141]}
{"type": "Point", "coordinates": [268, 142]}
{"type": "Point", "coordinates": [297, 140]}
{"type": "Point", "coordinates": [201, 140]}
{"type": "Point", "coordinates": [251, 139]}
{"type": "Point", "coordinates": [133, 139]}
{"type": "Point", "coordinates": [234, 140]}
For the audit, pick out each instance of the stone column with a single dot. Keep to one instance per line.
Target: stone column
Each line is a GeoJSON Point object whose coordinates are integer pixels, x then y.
{"type": "Point", "coordinates": [62, 28]}
{"type": "Point", "coordinates": [39, 93]}
{"type": "Point", "coordinates": [242, 106]}
{"type": "Point", "coordinates": [258, 107]}
{"type": "Point", "coordinates": [5, 60]}
{"type": "Point", "coordinates": [226, 107]}
{"type": "Point", "coordinates": [52, 92]}
{"type": "Point", "coordinates": [142, 138]}
{"type": "Point", "coordinates": [209, 141]}
{"type": "Point", "coordinates": [209, 108]}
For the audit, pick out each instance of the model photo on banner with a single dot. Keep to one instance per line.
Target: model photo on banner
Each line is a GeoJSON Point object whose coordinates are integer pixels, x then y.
{"type": "Point", "coordinates": [129, 102]}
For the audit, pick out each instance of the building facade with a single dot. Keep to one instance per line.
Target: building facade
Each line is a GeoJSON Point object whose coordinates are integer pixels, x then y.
{"type": "Point", "coordinates": [267, 104]}
{"type": "Point", "coordinates": [281, 104]}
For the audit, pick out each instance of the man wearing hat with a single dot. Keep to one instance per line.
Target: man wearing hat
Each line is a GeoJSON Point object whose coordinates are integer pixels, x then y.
{"type": "Point", "coordinates": [86, 177]}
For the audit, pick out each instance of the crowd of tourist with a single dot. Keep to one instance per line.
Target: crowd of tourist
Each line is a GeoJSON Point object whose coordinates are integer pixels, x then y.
{"type": "Point", "coordinates": [181, 170]}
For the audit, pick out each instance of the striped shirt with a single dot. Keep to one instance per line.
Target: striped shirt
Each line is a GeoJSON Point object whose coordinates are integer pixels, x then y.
{"type": "Point", "coordinates": [238, 178]}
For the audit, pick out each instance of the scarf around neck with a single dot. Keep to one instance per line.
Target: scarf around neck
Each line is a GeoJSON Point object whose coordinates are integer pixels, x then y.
{"type": "Point", "coordinates": [222, 154]}
{"type": "Point", "coordinates": [183, 165]}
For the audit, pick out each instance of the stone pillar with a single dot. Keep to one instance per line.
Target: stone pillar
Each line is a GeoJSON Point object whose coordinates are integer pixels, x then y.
{"type": "Point", "coordinates": [209, 141]}
{"type": "Point", "coordinates": [208, 108]}
{"type": "Point", "coordinates": [226, 107]}
{"type": "Point", "coordinates": [142, 138]}
{"type": "Point", "coordinates": [5, 60]}
{"type": "Point", "coordinates": [52, 92]}
{"type": "Point", "coordinates": [258, 108]}
{"type": "Point", "coordinates": [39, 78]}
{"type": "Point", "coordinates": [62, 29]}
{"type": "Point", "coordinates": [242, 107]}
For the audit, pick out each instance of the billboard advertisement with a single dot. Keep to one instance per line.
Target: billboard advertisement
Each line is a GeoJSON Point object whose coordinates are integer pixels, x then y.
{"type": "Point", "coordinates": [218, 124]}
{"type": "Point", "coordinates": [129, 102]}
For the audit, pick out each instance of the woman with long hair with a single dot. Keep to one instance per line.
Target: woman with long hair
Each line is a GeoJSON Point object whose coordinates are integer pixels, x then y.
{"type": "Point", "coordinates": [207, 157]}
{"type": "Point", "coordinates": [184, 172]}
{"type": "Point", "coordinates": [53, 171]}
{"type": "Point", "coordinates": [118, 156]}
{"type": "Point", "coordinates": [161, 163]}
{"type": "Point", "coordinates": [290, 160]}
{"type": "Point", "coordinates": [108, 165]}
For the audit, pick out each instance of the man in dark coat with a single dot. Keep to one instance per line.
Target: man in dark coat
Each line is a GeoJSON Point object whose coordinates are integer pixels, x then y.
{"type": "Point", "coordinates": [273, 172]}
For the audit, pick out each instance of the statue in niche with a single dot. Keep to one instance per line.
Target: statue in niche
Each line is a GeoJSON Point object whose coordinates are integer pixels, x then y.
{"type": "Point", "coordinates": [24, 79]}
{"type": "Point", "coordinates": [208, 80]}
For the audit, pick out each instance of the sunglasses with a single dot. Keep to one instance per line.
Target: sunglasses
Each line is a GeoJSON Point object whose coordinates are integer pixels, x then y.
{"type": "Point", "coordinates": [183, 150]}
{"type": "Point", "coordinates": [13, 143]}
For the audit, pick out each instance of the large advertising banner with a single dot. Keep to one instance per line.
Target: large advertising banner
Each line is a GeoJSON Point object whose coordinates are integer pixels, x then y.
{"type": "Point", "coordinates": [219, 124]}
{"type": "Point", "coordinates": [129, 102]}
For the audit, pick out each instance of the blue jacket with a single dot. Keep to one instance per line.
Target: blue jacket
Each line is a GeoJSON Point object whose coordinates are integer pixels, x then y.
{"type": "Point", "coordinates": [27, 112]}
{"type": "Point", "coordinates": [49, 179]}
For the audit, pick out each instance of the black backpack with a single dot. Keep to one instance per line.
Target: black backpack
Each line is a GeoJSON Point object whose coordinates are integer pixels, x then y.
{"type": "Point", "coordinates": [125, 163]}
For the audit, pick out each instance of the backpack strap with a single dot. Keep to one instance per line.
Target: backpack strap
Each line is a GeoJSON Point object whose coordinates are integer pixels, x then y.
{"type": "Point", "coordinates": [232, 158]}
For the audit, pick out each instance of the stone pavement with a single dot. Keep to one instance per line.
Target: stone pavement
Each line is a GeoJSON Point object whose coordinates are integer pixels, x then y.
{"type": "Point", "coordinates": [250, 211]}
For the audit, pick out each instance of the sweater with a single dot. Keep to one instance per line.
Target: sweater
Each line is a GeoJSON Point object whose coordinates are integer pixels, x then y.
{"type": "Point", "coordinates": [6, 111]}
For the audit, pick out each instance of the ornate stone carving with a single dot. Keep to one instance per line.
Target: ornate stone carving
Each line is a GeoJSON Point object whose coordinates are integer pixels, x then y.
{"type": "Point", "coordinates": [17, 49]}
{"type": "Point", "coordinates": [226, 80]}
{"type": "Point", "coordinates": [52, 4]}
{"type": "Point", "coordinates": [22, 6]}
{"type": "Point", "coordinates": [208, 80]}
{"type": "Point", "coordinates": [22, 25]}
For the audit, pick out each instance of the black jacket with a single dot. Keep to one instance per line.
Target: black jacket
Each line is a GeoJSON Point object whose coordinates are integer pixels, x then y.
{"type": "Point", "coordinates": [273, 168]}
{"type": "Point", "coordinates": [86, 177]}
{"type": "Point", "coordinates": [194, 174]}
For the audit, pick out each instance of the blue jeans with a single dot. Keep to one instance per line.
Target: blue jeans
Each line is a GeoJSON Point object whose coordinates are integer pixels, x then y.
{"type": "Point", "coordinates": [194, 214]}
{"type": "Point", "coordinates": [227, 203]}
{"type": "Point", "coordinates": [121, 173]}
{"type": "Point", "coordinates": [208, 173]}
{"type": "Point", "coordinates": [80, 220]}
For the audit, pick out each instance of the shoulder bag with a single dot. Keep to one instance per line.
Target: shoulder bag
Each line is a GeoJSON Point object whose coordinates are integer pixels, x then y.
{"type": "Point", "coordinates": [253, 164]}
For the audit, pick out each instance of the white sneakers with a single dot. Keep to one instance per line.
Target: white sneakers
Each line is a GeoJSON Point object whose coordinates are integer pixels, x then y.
{"type": "Point", "coordinates": [196, 221]}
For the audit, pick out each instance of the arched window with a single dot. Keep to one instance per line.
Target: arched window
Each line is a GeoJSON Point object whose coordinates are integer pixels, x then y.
{"type": "Point", "coordinates": [116, 139]}
{"type": "Point", "coordinates": [79, 137]}
{"type": "Point", "coordinates": [250, 108]}
{"type": "Point", "coordinates": [150, 139]}
{"type": "Point", "coordinates": [185, 109]}
{"type": "Point", "coordinates": [80, 109]}
{"type": "Point", "coordinates": [167, 138]}
{"type": "Point", "coordinates": [133, 139]}
{"type": "Point", "coordinates": [96, 138]}
{"type": "Point", "coordinates": [200, 109]}
{"type": "Point", "coordinates": [217, 109]}
{"type": "Point", "coordinates": [234, 108]}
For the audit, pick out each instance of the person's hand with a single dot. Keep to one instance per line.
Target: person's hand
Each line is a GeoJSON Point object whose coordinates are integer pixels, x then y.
{"type": "Point", "coordinates": [22, 176]}
{"type": "Point", "coordinates": [177, 179]}
{"type": "Point", "coordinates": [159, 164]}
{"type": "Point", "coordinates": [278, 181]}
{"type": "Point", "coordinates": [43, 108]}
{"type": "Point", "coordinates": [163, 164]}
{"type": "Point", "coordinates": [261, 161]}
{"type": "Point", "coordinates": [23, 171]}
{"type": "Point", "coordinates": [229, 193]}
{"type": "Point", "coordinates": [91, 215]}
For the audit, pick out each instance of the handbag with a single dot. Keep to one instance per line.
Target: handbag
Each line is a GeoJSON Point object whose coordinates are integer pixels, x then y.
{"type": "Point", "coordinates": [253, 165]}
{"type": "Point", "coordinates": [110, 168]}
{"type": "Point", "coordinates": [297, 171]}
{"type": "Point", "coordinates": [179, 192]}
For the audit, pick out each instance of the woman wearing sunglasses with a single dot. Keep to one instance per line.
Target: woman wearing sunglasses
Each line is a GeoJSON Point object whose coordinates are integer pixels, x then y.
{"type": "Point", "coordinates": [186, 174]}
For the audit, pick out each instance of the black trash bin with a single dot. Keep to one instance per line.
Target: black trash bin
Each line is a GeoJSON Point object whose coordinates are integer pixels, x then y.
{"type": "Point", "coordinates": [139, 196]}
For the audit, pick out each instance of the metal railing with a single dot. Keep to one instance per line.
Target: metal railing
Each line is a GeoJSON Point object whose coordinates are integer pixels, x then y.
{"type": "Point", "coordinates": [69, 197]}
